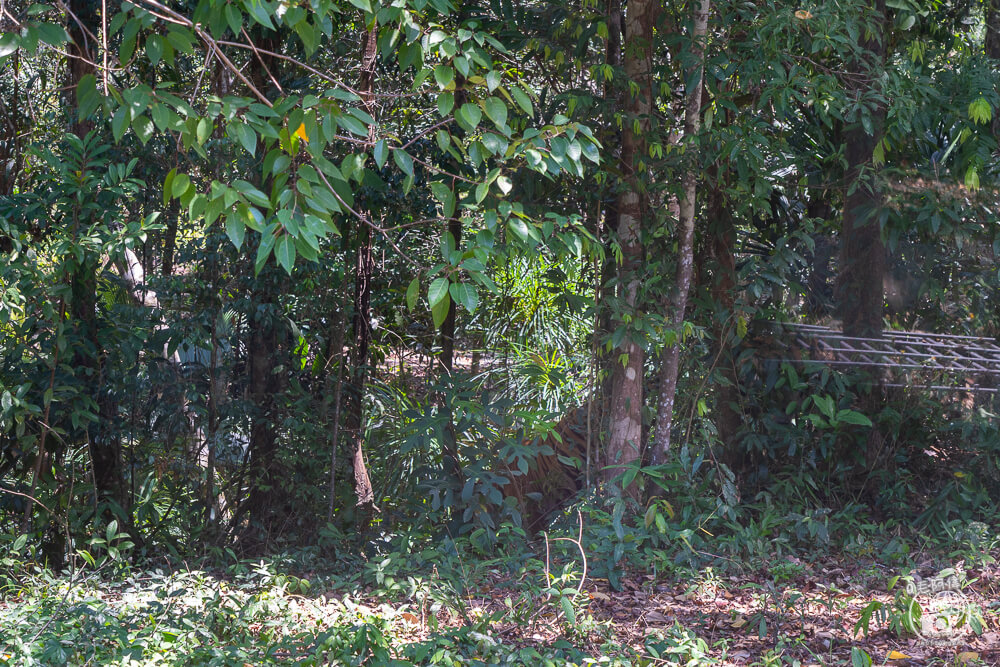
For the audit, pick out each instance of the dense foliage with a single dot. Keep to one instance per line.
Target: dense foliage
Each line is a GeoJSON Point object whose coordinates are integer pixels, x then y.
{"type": "Point", "coordinates": [375, 277]}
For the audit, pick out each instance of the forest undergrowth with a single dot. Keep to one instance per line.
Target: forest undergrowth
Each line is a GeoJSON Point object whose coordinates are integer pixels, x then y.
{"type": "Point", "coordinates": [772, 586]}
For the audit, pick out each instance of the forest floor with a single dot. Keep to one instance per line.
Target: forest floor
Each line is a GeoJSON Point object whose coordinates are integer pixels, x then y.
{"type": "Point", "coordinates": [790, 612]}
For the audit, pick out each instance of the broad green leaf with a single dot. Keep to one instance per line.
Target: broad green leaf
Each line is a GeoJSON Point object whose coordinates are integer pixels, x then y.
{"type": "Point", "coordinates": [204, 130]}
{"type": "Point", "coordinates": [496, 110]}
{"type": "Point", "coordinates": [363, 5]}
{"type": "Point", "coordinates": [254, 195]}
{"type": "Point", "coordinates": [180, 185]}
{"type": "Point", "coordinates": [235, 230]}
{"type": "Point", "coordinates": [465, 294]}
{"type": "Point", "coordinates": [519, 228]}
{"type": "Point", "coordinates": [8, 43]}
{"type": "Point", "coordinates": [403, 161]}
{"type": "Point", "coordinates": [143, 128]}
{"type": "Point", "coordinates": [445, 103]}
{"type": "Point", "coordinates": [381, 153]}
{"type": "Point", "coordinates": [119, 123]}
{"type": "Point", "coordinates": [352, 125]}
{"type": "Point", "coordinates": [853, 417]}
{"type": "Point", "coordinates": [440, 311]}
{"type": "Point", "coordinates": [437, 291]}
{"type": "Point", "coordinates": [412, 292]}
{"type": "Point", "coordinates": [522, 100]}
{"type": "Point", "coordinates": [154, 49]}
{"type": "Point", "coordinates": [284, 252]}
{"type": "Point", "coordinates": [444, 76]}
{"type": "Point", "coordinates": [468, 116]}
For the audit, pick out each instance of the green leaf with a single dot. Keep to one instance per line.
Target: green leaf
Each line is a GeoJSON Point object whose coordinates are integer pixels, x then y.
{"type": "Point", "coordinates": [466, 295]}
{"type": "Point", "coordinates": [180, 185]}
{"type": "Point", "coordinates": [403, 161]}
{"type": "Point", "coordinates": [567, 607]}
{"type": "Point", "coordinates": [254, 195]}
{"type": "Point", "coordinates": [853, 417]}
{"type": "Point", "coordinates": [437, 291]}
{"type": "Point", "coordinates": [284, 252]}
{"type": "Point", "coordinates": [235, 230]}
{"type": "Point", "coordinates": [363, 5]}
{"type": "Point", "coordinates": [143, 128]}
{"type": "Point", "coordinates": [259, 12]}
{"type": "Point", "coordinates": [119, 122]}
{"type": "Point", "coordinates": [522, 100]}
{"type": "Point", "coordinates": [519, 228]}
{"type": "Point", "coordinates": [381, 153]}
{"type": "Point", "coordinates": [154, 49]}
{"type": "Point", "coordinates": [445, 103]}
{"type": "Point", "coordinates": [203, 130]}
{"type": "Point", "coordinates": [496, 110]}
{"type": "Point", "coordinates": [412, 292]}
{"type": "Point", "coordinates": [352, 125]}
{"type": "Point", "coordinates": [440, 311]}
{"type": "Point", "coordinates": [468, 116]}
{"type": "Point", "coordinates": [8, 43]}
{"type": "Point", "coordinates": [444, 76]}
{"type": "Point", "coordinates": [980, 111]}
{"type": "Point", "coordinates": [264, 249]}
{"type": "Point", "coordinates": [245, 135]}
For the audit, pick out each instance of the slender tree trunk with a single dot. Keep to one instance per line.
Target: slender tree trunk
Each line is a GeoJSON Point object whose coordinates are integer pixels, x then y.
{"type": "Point", "coordinates": [332, 390]}
{"type": "Point", "coordinates": [265, 351]}
{"type": "Point", "coordinates": [170, 237]}
{"type": "Point", "coordinates": [364, 270]}
{"type": "Point", "coordinates": [102, 436]}
{"type": "Point", "coordinates": [670, 363]}
{"type": "Point", "coordinates": [605, 270]}
{"type": "Point", "coordinates": [625, 429]}
{"type": "Point", "coordinates": [722, 277]}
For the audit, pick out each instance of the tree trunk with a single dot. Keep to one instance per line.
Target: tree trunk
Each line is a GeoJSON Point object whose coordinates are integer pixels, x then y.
{"type": "Point", "coordinates": [364, 270]}
{"type": "Point", "coordinates": [625, 429]}
{"type": "Point", "coordinates": [265, 351]}
{"type": "Point", "coordinates": [670, 363]}
{"type": "Point", "coordinates": [992, 42]}
{"type": "Point", "coordinates": [722, 238]}
{"type": "Point", "coordinates": [862, 253]}
{"type": "Point", "coordinates": [860, 282]}
{"type": "Point", "coordinates": [102, 435]}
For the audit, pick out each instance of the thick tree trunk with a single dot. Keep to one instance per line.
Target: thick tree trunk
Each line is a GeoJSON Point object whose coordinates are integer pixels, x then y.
{"type": "Point", "coordinates": [625, 429]}
{"type": "Point", "coordinates": [862, 253]}
{"type": "Point", "coordinates": [669, 365]}
{"type": "Point", "coordinates": [860, 282]}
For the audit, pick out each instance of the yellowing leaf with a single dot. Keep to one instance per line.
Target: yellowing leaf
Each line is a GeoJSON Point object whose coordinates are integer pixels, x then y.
{"type": "Point", "coordinates": [959, 474]}
{"type": "Point", "coordinates": [738, 623]}
{"type": "Point", "coordinates": [301, 132]}
{"type": "Point", "coordinates": [967, 656]}
{"type": "Point", "coordinates": [803, 14]}
{"type": "Point", "coordinates": [896, 655]}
